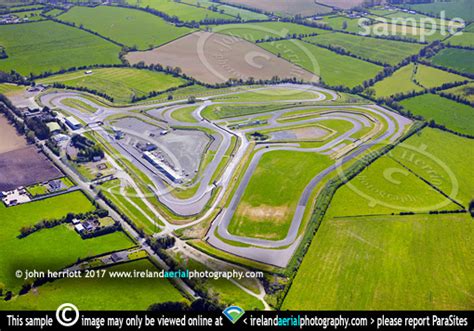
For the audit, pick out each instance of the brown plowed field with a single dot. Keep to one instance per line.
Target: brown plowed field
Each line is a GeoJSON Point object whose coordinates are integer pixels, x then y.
{"type": "Point", "coordinates": [215, 58]}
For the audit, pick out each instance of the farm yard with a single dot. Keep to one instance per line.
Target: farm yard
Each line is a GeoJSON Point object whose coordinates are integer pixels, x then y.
{"type": "Point", "coordinates": [121, 84]}
{"type": "Point", "coordinates": [132, 28]}
{"type": "Point", "coordinates": [187, 54]}
{"type": "Point", "coordinates": [61, 47]}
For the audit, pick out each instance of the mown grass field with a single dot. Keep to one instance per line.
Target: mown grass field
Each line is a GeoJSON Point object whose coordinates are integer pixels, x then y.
{"type": "Point", "coordinates": [269, 202]}
{"type": "Point", "coordinates": [386, 187]}
{"type": "Point", "coordinates": [454, 8]}
{"type": "Point", "coordinates": [269, 94]}
{"type": "Point", "coordinates": [53, 248]}
{"type": "Point", "coordinates": [464, 91]}
{"type": "Point", "coordinates": [385, 51]}
{"type": "Point", "coordinates": [455, 116]}
{"type": "Point", "coordinates": [100, 293]}
{"type": "Point", "coordinates": [264, 30]}
{"type": "Point", "coordinates": [419, 262]}
{"type": "Point", "coordinates": [181, 10]}
{"type": "Point", "coordinates": [449, 151]}
{"type": "Point", "coordinates": [122, 84]}
{"type": "Point", "coordinates": [228, 10]}
{"type": "Point", "coordinates": [216, 111]}
{"type": "Point", "coordinates": [466, 39]}
{"type": "Point", "coordinates": [414, 78]}
{"type": "Point", "coordinates": [48, 46]}
{"type": "Point", "coordinates": [184, 114]}
{"type": "Point", "coordinates": [130, 27]}
{"type": "Point", "coordinates": [334, 69]}
{"type": "Point", "coordinates": [457, 59]}
{"type": "Point", "coordinates": [342, 23]}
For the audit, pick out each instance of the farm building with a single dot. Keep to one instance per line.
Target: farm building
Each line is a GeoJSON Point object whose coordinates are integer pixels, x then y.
{"type": "Point", "coordinates": [53, 127]}
{"type": "Point", "coordinates": [73, 123]}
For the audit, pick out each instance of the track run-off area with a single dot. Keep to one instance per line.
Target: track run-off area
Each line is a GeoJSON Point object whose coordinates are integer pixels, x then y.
{"type": "Point", "coordinates": [219, 149]}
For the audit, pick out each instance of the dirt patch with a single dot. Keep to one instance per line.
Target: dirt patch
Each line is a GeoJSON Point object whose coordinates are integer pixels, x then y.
{"type": "Point", "coordinates": [294, 7]}
{"type": "Point", "coordinates": [215, 58]}
{"type": "Point", "coordinates": [24, 167]}
{"type": "Point", "coordinates": [306, 133]}
{"type": "Point", "coordinates": [10, 140]}
{"type": "Point", "coordinates": [264, 213]}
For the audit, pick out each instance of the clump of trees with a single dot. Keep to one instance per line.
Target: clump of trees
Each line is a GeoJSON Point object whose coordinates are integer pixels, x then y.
{"type": "Point", "coordinates": [88, 150]}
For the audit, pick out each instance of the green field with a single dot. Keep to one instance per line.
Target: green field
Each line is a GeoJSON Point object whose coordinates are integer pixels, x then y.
{"type": "Point", "coordinates": [122, 84]}
{"type": "Point", "coordinates": [342, 23]}
{"type": "Point", "coordinates": [8, 89]}
{"type": "Point", "coordinates": [384, 51]}
{"type": "Point", "coordinates": [269, 202]}
{"type": "Point", "coordinates": [265, 30]}
{"type": "Point", "coordinates": [184, 114]}
{"type": "Point", "coordinates": [79, 105]}
{"type": "Point", "coordinates": [405, 80]}
{"type": "Point", "coordinates": [244, 14]}
{"type": "Point", "coordinates": [133, 28]}
{"type": "Point", "coordinates": [334, 69]}
{"type": "Point", "coordinates": [48, 46]}
{"type": "Point", "coordinates": [457, 59]}
{"type": "Point", "coordinates": [386, 187]}
{"type": "Point", "coordinates": [181, 10]}
{"type": "Point", "coordinates": [466, 39]}
{"type": "Point", "coordinates": [455, 116]}
{"type": "Point", "coordinates": [416, 262]}
{"type": "Point", "coordinates": [464, 91]}
{"type": "Point", "coordinates": [269, 94]}
{"type": "Point", "coordinates": [31, 16]}
{"type": "Point", "coordinates": [218, 111]}
{"type": "Point", "coordinates": [100, 293]}
{"type": "Point", "coordinates": [53, 248]}
{"type": "Point", "coordinates": [453, 8]}
{"type": "Point", "coordinates": [446, 153]}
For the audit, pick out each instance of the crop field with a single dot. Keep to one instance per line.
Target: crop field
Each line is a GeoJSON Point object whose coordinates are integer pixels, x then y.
{"type": "Point", "coordinates": [195, 54]}
{"type": "Point", "coordinates": [333, 68]}
{"type": "Point", "coordinates": [271, 197]}
{"type": "Point", "coordinates": [466, 39]}
{"type": "Point", "coordinates": [101, 293]}
{"type": "Point", "coordinates": [391, 262]}
{"type": "Point", "coordinates": [122, 84]}
{"type": "Point", "coordinates": [457, 59]}
{"type": "Point", "coordinates": [403, 80]}
{"type": "Point", "coordinates": [411, 32]}
{"type": "Point", "coordinates": [60, 46]}
{"type": "Point", "coordinates": [384, 51]}
{"type": "Point", "coordinates": [53, 248]}
{"type": "Point", "coordinates": [453, 8]}
{"type": "Point", "coordinates": [386, 187]}
{"type": "Point", "coordinates": [181, 10]}
{"type": "Point", "coordinates": [464, 91]}
{"type": "Point", "coordinates": [283, 8]}
{"type": "Point", "coordinates": [455, 116]}
{"type": "Point", "coordinates": [264, 30]}
{"type": "Point", "coordinates": [130, 27]}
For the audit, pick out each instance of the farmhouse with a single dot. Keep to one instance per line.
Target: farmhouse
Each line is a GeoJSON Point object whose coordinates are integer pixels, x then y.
{"type": "Point", "coordinates": [73, 123]}
{"type": "Point", "coordinates": [163, 167]}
